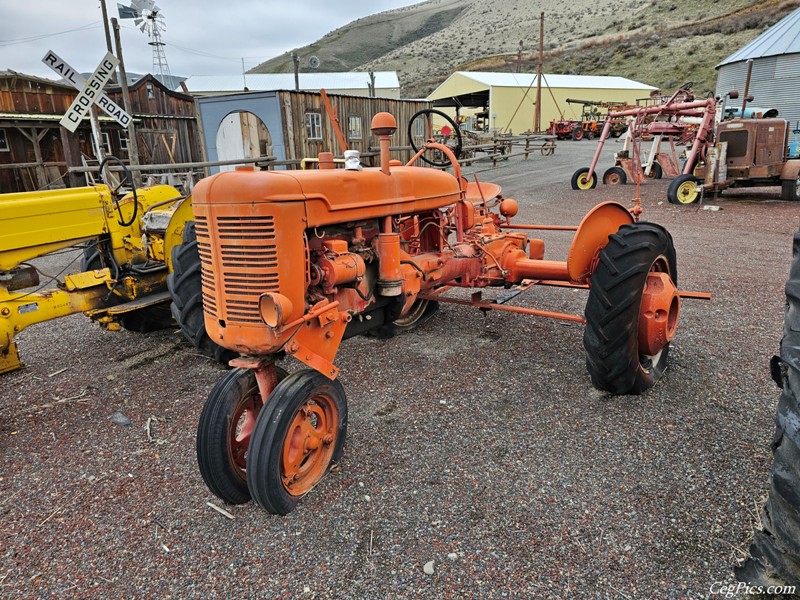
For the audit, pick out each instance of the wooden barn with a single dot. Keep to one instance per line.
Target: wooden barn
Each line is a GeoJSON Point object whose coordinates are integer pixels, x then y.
{"type": "Point", "coordinates": [35, 151]}
{"type": "Point", "coordinates": [165, 122]}
{"type": "Point", "coordinates": [292, 125]}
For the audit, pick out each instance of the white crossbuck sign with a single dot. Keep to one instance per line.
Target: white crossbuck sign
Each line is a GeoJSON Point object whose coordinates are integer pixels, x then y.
{"type": "Point", "coordinates": [91, 91]}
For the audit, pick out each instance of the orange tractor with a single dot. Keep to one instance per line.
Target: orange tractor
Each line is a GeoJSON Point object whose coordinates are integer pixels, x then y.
{"type": "Point", "coordinates": [295, 262]}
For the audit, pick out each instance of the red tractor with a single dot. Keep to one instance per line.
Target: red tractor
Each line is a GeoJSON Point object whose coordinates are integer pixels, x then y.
{"type": "Point", "coordinates": [294, 262]}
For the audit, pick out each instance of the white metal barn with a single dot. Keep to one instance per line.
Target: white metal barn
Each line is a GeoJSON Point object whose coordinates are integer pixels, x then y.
{"type": "Point", "coordinates": [775, 80]}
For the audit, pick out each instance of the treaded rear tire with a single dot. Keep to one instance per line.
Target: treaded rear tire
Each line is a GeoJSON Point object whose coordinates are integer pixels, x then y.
{"type": "Point", "coordinates": [775, 549]}
{"type": "Point", "coordinates": [612, 310]}
{"type": "Point", "coordinates": [185, 288]}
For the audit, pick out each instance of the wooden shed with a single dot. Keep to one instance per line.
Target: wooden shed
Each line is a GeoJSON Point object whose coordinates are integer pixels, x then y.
{"type": "Point", "coordinates": [33, 146]}
{"type": "Point", "coordinates": [35, 151]}
{"type": "Point", "coordinates": [292, 125]}
{"type": "Point", "coordinates": [165, 122]}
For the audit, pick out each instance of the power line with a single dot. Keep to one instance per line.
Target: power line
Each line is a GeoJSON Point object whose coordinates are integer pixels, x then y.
{"type": "Point", "coordinates": [34, 38]}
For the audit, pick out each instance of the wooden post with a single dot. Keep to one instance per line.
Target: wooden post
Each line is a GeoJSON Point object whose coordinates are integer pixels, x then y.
{"type": "Point", "coordinates": [133, 144]}
{"type": "Point", "coordinates": [296, 61]}
{"type": "Point", "coordinates": [71, 151]}
{"type": "Point", "coordinates": [537, 118]}
{"type": "Point", "coordinates": [35, 137]}
{"type": "Point", "coordinates": [105, 29]}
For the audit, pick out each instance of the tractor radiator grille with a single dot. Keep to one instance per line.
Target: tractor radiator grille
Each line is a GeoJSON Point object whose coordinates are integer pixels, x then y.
{"type": "Point", "coordinates": [247, 265]}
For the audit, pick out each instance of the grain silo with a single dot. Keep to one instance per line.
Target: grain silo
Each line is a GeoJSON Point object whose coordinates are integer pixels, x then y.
{"type": "Point", "coordinates": [775, 80]}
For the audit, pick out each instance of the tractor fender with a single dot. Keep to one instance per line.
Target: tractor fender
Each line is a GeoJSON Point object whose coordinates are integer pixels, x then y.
{"type": "Point", "coordinates": [173, 236]}
{"type": "Point", "coordinates": [592, 236]}
{"type": "Point", "coordinates": [790, 170]}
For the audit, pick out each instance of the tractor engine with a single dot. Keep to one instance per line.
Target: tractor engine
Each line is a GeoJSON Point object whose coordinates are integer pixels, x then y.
{"type": "Point", "coordinates": [297, 260]}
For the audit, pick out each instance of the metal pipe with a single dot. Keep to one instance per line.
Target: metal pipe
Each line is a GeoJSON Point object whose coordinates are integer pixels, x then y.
{"type": "Point", "coordinates": [540, 227]}
{"type": "Point", "coordinates": [527, 268]}
{"type": "Point", "coordinates": [504, 307]}
{"type": "Point", "coordinates": [600, 144]}
{"type": "Point", "coordinates": [746, 85]}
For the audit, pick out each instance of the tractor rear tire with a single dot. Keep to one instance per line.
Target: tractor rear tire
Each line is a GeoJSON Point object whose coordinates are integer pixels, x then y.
{"type": "Point", "coordinates": [611, 337]}
{"type": "Point", "coordinates": [577, 134]}
{"type": "Point", "coordinates": [790, 190]}
{"type": "Point", "coordinates": [775, 549]}
{"type": "Point", "coordinates": [298, 436]}
{"type": "Point", "coordinates": [143, 320]}
{"type": "Point", "coordinates": [185, 287]}
{"type": "Point", "coordinates": [222, 439]}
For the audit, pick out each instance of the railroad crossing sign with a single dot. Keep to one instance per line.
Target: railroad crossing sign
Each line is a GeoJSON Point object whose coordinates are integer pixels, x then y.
{"type": "Point", "coordinates": [91, 91]}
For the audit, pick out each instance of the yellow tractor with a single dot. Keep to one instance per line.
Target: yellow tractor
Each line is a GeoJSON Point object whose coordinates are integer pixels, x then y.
{"type": "Point", "coordinates": [131, 245]}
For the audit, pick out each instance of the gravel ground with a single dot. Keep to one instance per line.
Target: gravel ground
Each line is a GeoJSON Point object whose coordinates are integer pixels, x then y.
{"type": "Point", "coordinates": [475, 442]}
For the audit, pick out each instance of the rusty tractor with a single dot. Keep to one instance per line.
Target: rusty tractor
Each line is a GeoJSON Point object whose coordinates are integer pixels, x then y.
{"type": "Point", "coordinates": [750, 152]}
{"type": "Point", "coordinates": [295, 262]}
{"type": "Point", "coordinates": [671, 119]}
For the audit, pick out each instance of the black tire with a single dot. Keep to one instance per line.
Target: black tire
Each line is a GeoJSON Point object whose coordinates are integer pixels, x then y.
{"type": "Point", "coordinates": [221, 465]}
{"type": "Point", "coordinates": [577, 133]}
{"type": "Point", "coordinates": [185, 288]}
{"type": "Point", "coordinates": [683, 190]}
{"type": "Point", "coordinates": [590, 136]}
{"type": "Point", "coordinates": [775, 549]}
{"type": "Point", "coordinates": [265, 460]}
{"type": "Point", "coordinates": [459, 140]}
{"type": "Point", "coordinates": [612, 310]}
{"type": "Point", "coordinates": [656, 172]}
{"type": "Point", "coordinates": [580, 182]}
{"type": "Point", "coordinates": [615, 176]}
{"type": "Point", "coordinates": [144, 320]}
{"type": "Point", "coordinates": [790, 189]}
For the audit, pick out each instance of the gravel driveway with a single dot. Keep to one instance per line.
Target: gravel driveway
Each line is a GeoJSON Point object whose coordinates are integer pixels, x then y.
{"type": "Point", "coordinates": [476, 442]}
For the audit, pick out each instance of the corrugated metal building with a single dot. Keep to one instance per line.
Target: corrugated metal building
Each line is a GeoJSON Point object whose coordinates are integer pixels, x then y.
{"type": "Point", "coordinates": [775, 81]}
{"type": "Point", "coordinates": [510, 97]}
{"type": "Point", "coordinates": [387, 84]}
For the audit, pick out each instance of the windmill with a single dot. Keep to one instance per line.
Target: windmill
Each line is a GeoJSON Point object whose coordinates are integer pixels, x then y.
{"type": "Point", "coordinates": [148, 18]}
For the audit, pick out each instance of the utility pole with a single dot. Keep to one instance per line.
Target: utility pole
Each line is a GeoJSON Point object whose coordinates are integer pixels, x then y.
{"type": "Point", "coordinates": [296, 61]}
{"type": "Point", "coordinates": [133, 146]}
{"type": "Point", "coordinates": [105, 28]}
{"type": "Point", "coordinates": [537, 116]}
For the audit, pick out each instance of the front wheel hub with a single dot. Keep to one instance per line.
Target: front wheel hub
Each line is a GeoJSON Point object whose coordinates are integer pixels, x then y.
{"type": "Point", "coordinates": [658, 316]}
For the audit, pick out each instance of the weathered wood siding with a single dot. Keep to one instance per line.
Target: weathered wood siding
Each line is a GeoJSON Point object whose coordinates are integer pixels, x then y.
{"type": "Point", "coordinates": [296, 105]}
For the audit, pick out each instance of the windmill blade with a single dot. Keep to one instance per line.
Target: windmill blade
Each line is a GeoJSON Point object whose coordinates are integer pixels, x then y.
{"type": "Point", "coordinates": [144, 27]}
{"type": "Point", "coordinates": [127, 12]}
{"type": "Point", "coordinates": [137, 22]}
{"type": "Point", "coordinates": [143, 5]}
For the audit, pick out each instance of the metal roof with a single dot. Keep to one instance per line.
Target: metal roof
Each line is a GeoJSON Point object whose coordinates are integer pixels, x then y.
{"type": "Point", "coordinates": [262, 82]}
{"type": "Point", "coordinates": [554, 80]}
{"type": "Point", "coordinates": [781, 38]}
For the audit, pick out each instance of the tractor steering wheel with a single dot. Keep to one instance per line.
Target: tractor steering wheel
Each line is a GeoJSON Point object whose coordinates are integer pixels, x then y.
{"type": "Point", "coordinates": [428, 135]}
{"type": "Point", "coordinates": [105, 177]}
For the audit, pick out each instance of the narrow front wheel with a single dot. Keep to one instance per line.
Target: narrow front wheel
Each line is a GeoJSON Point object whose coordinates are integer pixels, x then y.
{"type": "Point", "coordinates": [296, 439]}
{"type": "Point", "coordinates": [224, 432]}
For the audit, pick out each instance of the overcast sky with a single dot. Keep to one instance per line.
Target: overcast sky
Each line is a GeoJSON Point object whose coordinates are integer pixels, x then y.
{"type": "Point", "coordinates": [202, 37]}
